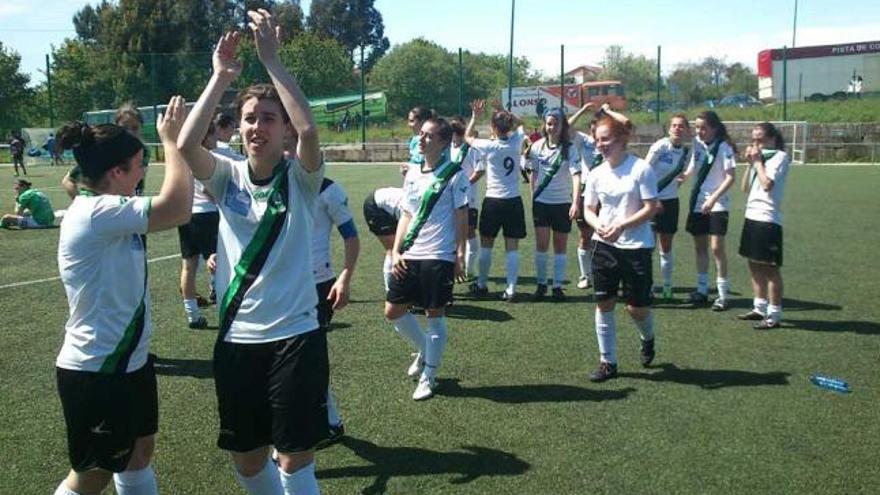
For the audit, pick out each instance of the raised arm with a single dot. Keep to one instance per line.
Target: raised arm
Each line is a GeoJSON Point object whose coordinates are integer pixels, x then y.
{"type": "Point", "coordinates": [476, 111]}
{"type": "Point", "coordinates": [189, 143]}
{"type": "Point", "coordinates": [173, 205]}
{"type": "Point", "coordinates": [266, 38]}
{"type": "Point", "coordinates": [581, 111]}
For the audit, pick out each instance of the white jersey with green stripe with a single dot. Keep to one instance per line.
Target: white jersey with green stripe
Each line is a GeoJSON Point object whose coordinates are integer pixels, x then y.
{"type": "Point", "coordinates": [540, 158]}
{"type": "Point", "coordinates": [102, 262]}
{"type": "Point", "coordinates": [436, 239]}
{"type": "Point", "coordinates": [724, 163]}
{"type": "Point", "coordinates": [473, 162]}
{"type": "Point", "coordinates": [281, 301]}
{"type": "Point", "coordinates": [331, 211]}
{"type": "Point", "coordinates": [766, 206]}
{"type": "Point", "coordinates": [664, 157]}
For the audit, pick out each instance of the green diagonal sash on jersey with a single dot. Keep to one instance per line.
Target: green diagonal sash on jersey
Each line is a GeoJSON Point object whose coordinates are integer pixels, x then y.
{"type": "Point", "coordinates": [597, 160]}
{"type": "Point", "coordinates": [765, 155]}
{"type": "Point", "coordinates": [554, 168]}
{"type": "Point", "coordinates": [257, 251]}
{"type": "Point", "coordinates": [117, 361]}
{"type": "Point", "coordinates": [665, 181]}
{"type": "Point", "coordinates": [431, 196]}
{"type": "Point", "coordinates": [705, 168]}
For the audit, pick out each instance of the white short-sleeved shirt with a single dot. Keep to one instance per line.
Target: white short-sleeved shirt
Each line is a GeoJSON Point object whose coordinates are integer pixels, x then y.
{"type": "Point", "coordinates": [281, 302]}
{"type": "Point", "coordinates": [331, 211]}
{"type": "Point", "coordinates": [725, 161]}
{"type": "Point", "coordinates": [103, 266]}
{"type": "Point", "coordinates": [540, 158]}
{"type": "Point", "coordinates": [473, 162]}
{"type": "Point", "coordinates": [202, 202]}
{"type": "Point", "coordinates": [502, 159]}
{"type": "Point", "coordinates": [664, 157]}
{"type": "Point", "coordinates": [621, 191]}
{"type": "Point", "coordinates": [586, 146]}
{"type": "Point", "coordinates": [436, 240]}
{"type": "Point", "coordinates": [766, 206]}
{"type": "Point", "coordinates": [389, 199]}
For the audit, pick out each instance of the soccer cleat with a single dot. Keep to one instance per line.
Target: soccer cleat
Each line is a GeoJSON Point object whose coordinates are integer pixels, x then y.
{"type": "Point", "coordinates": [606, 371]}
{"type": "Point", "coordinates": [199, 323]}
{"type": "Point", "coordinates": [213, 296]}
{"type": "Point", "coordinates": [647, 354]}
{"type": "Point", "coordinates": [697, 298]}
{"type": "Point", "coordinates": [201, 301]}
{"type": "Point", "coordinates": [425, 389]}
{"type": "Point", "coordinates": [478, 291]}
{"type": "Point", "coordinates": [415, 369]}
{"type": "Point", "coordinates": [766, 324]}
{"type": "Point", "coordinates": [558, 294]}
{"type": "Point", "coordinates": [508, 296]}
{"type": "Point", "coordinates": [751, 316]}
{"type": "Point", "coordinates": [720, 305]}
{"type": "Point", "coordinates": [584, 283]}
{"type": "Point", "coordinates": [540, 292]}
{"type": "Point", "coordinates": [335, 436]}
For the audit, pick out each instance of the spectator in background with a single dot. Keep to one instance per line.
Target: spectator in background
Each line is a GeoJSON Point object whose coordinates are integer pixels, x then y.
{"type": "Point", "coordinates": [224, 125]}
{"type": "Point", "coordinates": [130, 118]}
{"type": "Point", "coordinates": [32, 208]}
{"type": "Point", "coordinates": [16, 149]}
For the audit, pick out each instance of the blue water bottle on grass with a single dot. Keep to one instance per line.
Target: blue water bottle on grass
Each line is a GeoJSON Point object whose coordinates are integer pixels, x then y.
{"type": "Point", "coordinates": [835, 384]}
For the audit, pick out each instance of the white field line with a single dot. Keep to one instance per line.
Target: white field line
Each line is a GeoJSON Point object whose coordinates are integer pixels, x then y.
{"type": "Point", "coordinates": [50, 279]}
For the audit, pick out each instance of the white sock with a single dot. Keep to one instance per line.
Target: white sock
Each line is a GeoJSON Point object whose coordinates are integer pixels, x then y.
{"type": "Point", "coordinates": [386, 270]}
{"type": "Point", "coordinates": [435, 344]}
{"type": "Point", "coordinates": [723, 287]}
{"type": "Point", "coordinates": [140, 482]}
{"type": "Point", "coordinates": [559, 262]}
{"type": "Point", "coordinates": [333, 418]}
{"type": "Point", "coordinates": [607, 336]}
{"type": "Point", "coordinates": [666, 263]}
{"type": "Point", "coordinates": [266, 482]}
{"type": "Point", "coordinates": [300, 482]}
{"type": "Point", "coordinates": [485, 265]}
{"type": "Point", "coordinates": [470, 258]}
{"type": "Point", "coordinates": [759, 305]}
{"type": "Point", "coordinates": [646, 326]}
{"type": "Point", "coordinates": [512, 258]}
{"type": "Point", "coordinates": [63, 490]}
{"type": "Point", "coordinates": [584, 262]}
{"type": "Point", "coordinates": [408, 327]}
{"type": "Point", "coordinates": [774, 313]}
{"type": "Point", "coordinates": [191, 306]}
{"type": "Point", "coordinates": [703, 283]}
{"type": "Point", "coordinates": [541, 267]}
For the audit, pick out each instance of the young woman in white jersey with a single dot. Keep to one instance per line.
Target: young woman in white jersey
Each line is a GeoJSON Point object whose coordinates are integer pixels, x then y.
{"type": "Point", "coordinates": [590, 159]}
{"type": "Point", "coordinates": [474, 168]}
{"type": "Point", "coordinates": [555, 169]}
{"type": "Point", "coordinates": [270, 360]}
{"type": "Point", "coordinates": [626, 187]}
{"type": "Point", "coordinates": [382, 212]}
{"type": "Point", "coordinates": [669, 158]}
{"type": "Point", "coordinates": [105, 375]}
{"type": "Point", "coordinates": [414, 120]}
{"type": "Point", "coordinates": [714, 169]}
{"type": "Point", "coordinates": [761, 240]}
{"type": "Point", "coordinates": [502, 205]}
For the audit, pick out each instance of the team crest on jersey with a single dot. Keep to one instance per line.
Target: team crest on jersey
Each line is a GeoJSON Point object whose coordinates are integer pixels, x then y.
{"type": "Point", "coordinates": [237, 200]}
{"type": "Point", "coordinates": [436, 187]}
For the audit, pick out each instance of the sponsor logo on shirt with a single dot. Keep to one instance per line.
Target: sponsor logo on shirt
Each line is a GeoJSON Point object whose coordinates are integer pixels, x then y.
{"type": "Point", "coordinates": [237, 200]}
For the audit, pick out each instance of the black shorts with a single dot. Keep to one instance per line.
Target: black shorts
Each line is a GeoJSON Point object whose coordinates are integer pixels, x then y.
{"type": "Point", "coordinates": [272, 393]}
{"type": "Point", "coordinates": [378, 220]}
{"type": "Point", "coordinates": [631, 267]}
{"type": "Point", "coordinates": [325, 308]}
{"type": "Point", "coordinates": [666, 222]}
{"type": "Point", "coordinates": [761, 242]}
{"type": "Point", "coordinates": [506, 213]}
{"type": "Point", "coordinates": [106, 413]}
{"type": "Point", "coordinates": [199, 236]}
{"type": "Point", "coordinates": [553, 216]}
{"type": "Point", "coordinates": [427, 283]}
{"type": "Point", "coordinates": [714, 223]}
{"type": "Point", "coordinates": [472, 217]}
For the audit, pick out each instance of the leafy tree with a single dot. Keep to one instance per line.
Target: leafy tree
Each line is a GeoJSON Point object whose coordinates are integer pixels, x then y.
{"type": "Point", "coordinates": [637, 72]}
{"type": "Point", "coordinates": [14, 92]}
{"type": "Point", "coordinates": [741, 79]}
{"type": "Point", "coordinates": [353, 23]}
{"type": "Point", "coordinates": [418, 72]}
{"type": "Point", "coordinates": [81, 80]}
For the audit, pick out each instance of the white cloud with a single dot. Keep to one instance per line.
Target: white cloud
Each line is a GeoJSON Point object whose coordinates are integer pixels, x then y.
{"type": "Point", "coordinates": [11, 10]}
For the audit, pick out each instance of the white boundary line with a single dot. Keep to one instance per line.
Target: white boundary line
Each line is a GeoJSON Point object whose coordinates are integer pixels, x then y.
{"type": "Point", "coordinates": [50, 279]}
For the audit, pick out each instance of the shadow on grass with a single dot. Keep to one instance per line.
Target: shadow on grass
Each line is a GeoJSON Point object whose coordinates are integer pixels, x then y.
{"type": "Point", "coordinates": [386, 463]}
{"type": "Point", "coordinates": [460, 311]}
{"type": "Point", "coordinates": [520, 394]}
{"type": "Point", "coordinates": [338, 326]}
{"type": "Point", "coordinates": [196, 368]}
{"type": "Point", "coordinates": [710, 379]}
{"type": "Point", "coordinates": [859, 327]}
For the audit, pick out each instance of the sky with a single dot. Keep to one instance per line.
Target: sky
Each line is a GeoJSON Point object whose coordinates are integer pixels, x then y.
{"type": "Point", "coordinates": [688, 31]}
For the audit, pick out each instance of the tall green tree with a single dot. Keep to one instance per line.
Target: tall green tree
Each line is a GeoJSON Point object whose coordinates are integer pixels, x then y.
{"type": "Point", "coordinates": [353, 23]}
{"type": "Point", "coordinates": [418, 72]}
{"type": "Point", "coordinates": [14, 92]}
{"type": "Point", "coordinates": [637, 72]}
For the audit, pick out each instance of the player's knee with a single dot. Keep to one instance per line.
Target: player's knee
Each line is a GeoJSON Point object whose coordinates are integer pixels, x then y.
{"type": "Point", "coordinates": [292, 463]}
{"type": "Point", "coordinates": [142, 453]}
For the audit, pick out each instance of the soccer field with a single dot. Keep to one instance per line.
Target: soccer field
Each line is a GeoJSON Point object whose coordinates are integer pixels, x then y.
{"type": "Point", "coordinates": [724, 409]}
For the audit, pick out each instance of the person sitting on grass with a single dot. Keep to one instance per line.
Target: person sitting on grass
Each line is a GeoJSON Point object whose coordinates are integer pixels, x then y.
{"type": "Point", "coordinates": [32, 208]}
